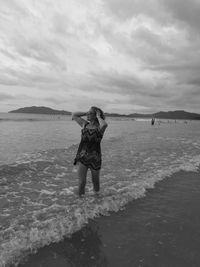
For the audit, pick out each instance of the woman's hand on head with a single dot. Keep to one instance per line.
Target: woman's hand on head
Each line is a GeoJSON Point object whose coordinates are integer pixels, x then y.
{"type": "Point", "coordinates": [98, 113]}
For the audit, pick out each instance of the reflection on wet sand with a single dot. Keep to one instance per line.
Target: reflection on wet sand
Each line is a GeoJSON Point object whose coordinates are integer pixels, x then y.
{"type": "Point", "coordinates": [83, 249]}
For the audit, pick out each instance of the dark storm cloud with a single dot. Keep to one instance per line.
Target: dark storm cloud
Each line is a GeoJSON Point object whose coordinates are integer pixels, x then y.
{"type": "Point", "coordinates": [184, 12]}
{"type": "Point", "coordinates": [195, 81]}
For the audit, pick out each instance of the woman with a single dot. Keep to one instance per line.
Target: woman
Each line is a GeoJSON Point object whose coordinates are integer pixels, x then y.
{"type": "Point", "coordinates": [89, 152]}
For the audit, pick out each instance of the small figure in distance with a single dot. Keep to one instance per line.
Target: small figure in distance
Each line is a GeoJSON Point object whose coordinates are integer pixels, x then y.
{"type": "Point", "coordinates": [152, 121]}
{"type": "Point", "coordinates": [89, 151]}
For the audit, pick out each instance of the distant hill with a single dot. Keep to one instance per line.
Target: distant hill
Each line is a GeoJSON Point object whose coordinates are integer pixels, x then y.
{"type": "Point", "coordinates": [177, 114]}
{"type": "Point", "coordinates": [40, 110]}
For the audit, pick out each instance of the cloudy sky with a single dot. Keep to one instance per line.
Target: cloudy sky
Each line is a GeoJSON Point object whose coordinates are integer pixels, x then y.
{"type": "Point", "coordinates": [121, 55]}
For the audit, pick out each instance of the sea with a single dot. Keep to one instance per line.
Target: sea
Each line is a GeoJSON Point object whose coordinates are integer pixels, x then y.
{"type": "Point", "coordinates": [38, 181]}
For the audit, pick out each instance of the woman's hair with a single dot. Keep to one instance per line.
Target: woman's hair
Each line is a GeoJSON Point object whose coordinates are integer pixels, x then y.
{"type": "Point", "coordinates": [102, 115]}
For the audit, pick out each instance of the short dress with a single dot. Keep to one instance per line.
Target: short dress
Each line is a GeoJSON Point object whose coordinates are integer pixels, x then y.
{"type": "Point", "coordinates": [89, 150]}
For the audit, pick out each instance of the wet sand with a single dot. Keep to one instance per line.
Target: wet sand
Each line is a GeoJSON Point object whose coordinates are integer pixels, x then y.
{"type": "Point", "coordinates": [159, 230]}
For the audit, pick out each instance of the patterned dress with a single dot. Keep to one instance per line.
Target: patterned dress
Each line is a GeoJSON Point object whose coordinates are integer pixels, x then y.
{"type": "Point", "coordinates": [89, 150]}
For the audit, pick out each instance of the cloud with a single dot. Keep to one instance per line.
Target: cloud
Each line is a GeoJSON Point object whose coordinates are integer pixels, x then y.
{"type": "Point", "coordinates": [133, 8]}
{"type": "Point", "coordinates": [195, 81]}
{"type": "Point", "coordinates": [117, 82]}
{"type": "Point", "coordinates": [6, 97]}
{"type": "Point", "coordinates": [121, 55]}
{"type": "Point", "coordinates": [184, 13]}
{"type": "Point", "coordinates": [41, 51]}
{"type": "Point", "coordinates": [164, 12]}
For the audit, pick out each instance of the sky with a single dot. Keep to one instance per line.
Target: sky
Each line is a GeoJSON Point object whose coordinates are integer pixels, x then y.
{"type": "Point", "coordinates": [124, 56]}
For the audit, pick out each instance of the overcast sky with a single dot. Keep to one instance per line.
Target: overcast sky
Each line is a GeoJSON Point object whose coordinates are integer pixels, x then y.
{"type": "Point", "coordinates": [121, 55]}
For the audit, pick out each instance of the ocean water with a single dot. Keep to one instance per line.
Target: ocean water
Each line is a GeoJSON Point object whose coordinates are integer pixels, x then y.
{"type": "Point", "coordinates": [38, 180]}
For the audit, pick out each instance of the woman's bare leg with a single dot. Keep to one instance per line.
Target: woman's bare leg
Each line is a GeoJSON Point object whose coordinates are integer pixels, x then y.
{"type": "Point", "coordinates": [82, 174]}
{"type": "Point", "coordinates": [95, 180]}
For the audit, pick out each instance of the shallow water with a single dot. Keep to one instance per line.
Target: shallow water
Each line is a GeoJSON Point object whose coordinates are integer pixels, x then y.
{"type": "Point", "coordinates": [38, 203]}
{"type": "Point", "coordinates": [161, 229]}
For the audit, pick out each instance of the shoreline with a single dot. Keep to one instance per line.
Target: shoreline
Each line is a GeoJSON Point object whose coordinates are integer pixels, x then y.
{"type": "Point", "coordinates": [158, 230]}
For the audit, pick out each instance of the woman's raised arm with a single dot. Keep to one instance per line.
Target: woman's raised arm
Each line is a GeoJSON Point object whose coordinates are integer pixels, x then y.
{"type": "Point", "coordinates": [102, 123]}
{"type": "Point", "coordinates": [77, 117]}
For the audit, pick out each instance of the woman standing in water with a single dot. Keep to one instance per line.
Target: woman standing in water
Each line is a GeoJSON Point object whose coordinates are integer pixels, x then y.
{"type": "Point", "coordinates": [89, 151]}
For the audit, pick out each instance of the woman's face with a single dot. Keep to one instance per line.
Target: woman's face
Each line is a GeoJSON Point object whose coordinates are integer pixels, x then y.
{"type": "Point", "coordinates": [91, 115]}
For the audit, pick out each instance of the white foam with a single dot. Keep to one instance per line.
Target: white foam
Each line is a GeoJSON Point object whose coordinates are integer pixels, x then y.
{"type": "Point", "coordinates": [60, 175]}
{"type": "Point", "coordinates": [67, 191]}
{"type": "Point", "coordinates": [47, 192]}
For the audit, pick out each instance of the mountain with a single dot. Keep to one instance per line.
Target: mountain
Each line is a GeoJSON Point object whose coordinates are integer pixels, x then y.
{"type": "Point", "coordinates": [40, 110]}
{"type": "Point", "coordinates": [177, 114]}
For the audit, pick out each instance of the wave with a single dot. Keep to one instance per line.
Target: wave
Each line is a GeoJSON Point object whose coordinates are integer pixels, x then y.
{"type": "Point", "coordinates": [71, 219]}
{"type": "Point", "coordinates": [26, 119]}
{"type": "Point", "coordinates": [23, 117]}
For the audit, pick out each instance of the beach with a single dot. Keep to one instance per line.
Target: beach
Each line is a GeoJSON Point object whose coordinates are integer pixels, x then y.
{"type": "Point", "coordinates": [158, 230]}
{"type": "Point", "coordinates": [149, 192]}
{"type": "Point", "coordinates": [99, 133]}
